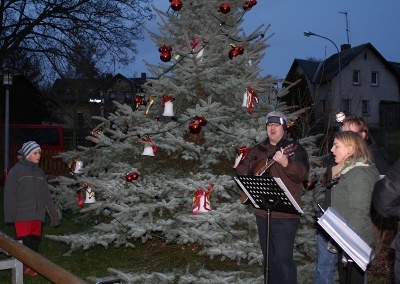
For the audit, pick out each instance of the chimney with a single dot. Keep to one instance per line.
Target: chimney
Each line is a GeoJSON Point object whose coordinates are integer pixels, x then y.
{"type": "Point", "coordinates": [345, 46]}
{"type": "Point", "coordinates": [143, 76]}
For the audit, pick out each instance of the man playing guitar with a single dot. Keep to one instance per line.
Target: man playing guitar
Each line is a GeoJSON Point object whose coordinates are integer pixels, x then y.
{"type": "Point", "coordinates": [293, 169]}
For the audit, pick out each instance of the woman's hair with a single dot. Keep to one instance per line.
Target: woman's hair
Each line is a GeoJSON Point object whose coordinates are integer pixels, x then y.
{"type": "Point", "coordinates": [355, 140]}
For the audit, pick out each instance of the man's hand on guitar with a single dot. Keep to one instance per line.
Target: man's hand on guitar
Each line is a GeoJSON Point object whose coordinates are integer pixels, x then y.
{"type": "Point", "coordinates": [281, 158]}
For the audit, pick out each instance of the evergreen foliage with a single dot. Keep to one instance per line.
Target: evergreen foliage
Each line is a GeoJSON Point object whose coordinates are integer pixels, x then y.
{"type": "Point", "coordinates": [205, 83]}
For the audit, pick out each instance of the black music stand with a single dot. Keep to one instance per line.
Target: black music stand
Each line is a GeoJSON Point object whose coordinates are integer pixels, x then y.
{"type": "Point", "coordinates": [350, 242]}
{"type": "Point", "coordinates": [270, 194]}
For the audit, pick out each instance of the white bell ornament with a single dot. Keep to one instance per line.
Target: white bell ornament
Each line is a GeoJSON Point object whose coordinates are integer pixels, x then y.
{"type": "Point", "coordinates": [148, 151]}
{"type": "Point", "coordinates": [90, 198]}
{"type": "Point", "coordinates": [78, 167]}
{"type": "Point", "coordinates": [168, 109]}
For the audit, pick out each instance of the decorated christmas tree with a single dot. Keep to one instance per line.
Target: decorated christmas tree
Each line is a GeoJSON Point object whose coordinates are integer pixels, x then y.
{"type": "Point", "coordinates": [164, 166]}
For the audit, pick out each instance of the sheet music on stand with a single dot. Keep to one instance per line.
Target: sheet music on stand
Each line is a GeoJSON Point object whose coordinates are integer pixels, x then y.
{"type": "Point", "coordinates": [344, 235]}
{"type": "Point", "coordinates": [271, 189]}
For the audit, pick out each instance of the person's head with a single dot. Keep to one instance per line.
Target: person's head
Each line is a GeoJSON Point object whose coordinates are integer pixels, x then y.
{"type": "Point", "coordinates": [350, 147]}
{"type": "Point", "coordinates": [356, 124]}
{"type": "Point", "coordinates": [32, 151]}
{"type": "Point", "coordinates": [276, 126]}
{"type": "Point", "coordinates": [20, 154]}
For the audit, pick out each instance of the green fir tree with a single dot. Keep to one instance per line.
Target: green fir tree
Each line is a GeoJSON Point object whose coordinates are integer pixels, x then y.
{"type": "Point", "coordinates": [210, 78]}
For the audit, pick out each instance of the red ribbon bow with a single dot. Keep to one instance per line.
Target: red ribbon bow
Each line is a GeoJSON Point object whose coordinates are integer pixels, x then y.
{"type": "Point", "coordinates": [166, 99]}
{"type": "Point", "coordinates": [206, 202]}
{"type": "Point", "coordinates": [80, 194]}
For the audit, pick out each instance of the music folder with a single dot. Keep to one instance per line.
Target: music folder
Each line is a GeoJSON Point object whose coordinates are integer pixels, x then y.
{"type": "Point", "coordinates": [344, 235]}
{"type": "Point", "coordinates": [262, 189]}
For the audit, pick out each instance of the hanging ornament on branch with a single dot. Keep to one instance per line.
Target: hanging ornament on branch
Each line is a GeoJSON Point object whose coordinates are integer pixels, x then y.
{"type": "Point", "coordinates": [75, 167]}
{"type": "Point", "coordinates": [249, 4]}
{"type": "Point", "coordinates": [165, 53]}
{"type": "Point", "coordinates": [340, 117]}
{"type": "Point", "coordinates": [149, 147]}
{"type": "Point", "coordinates": [243, 151]}
{"type": "Point", "coordinates": [195, 126]}
{"type": "Point", "coordinates": [151, 102]}
{"type": "Point", "coordinates": [201, 200]}
{"type": "Point", "coordinates": [310, 185]}
{"type": "Point", "coordinates": [249, 98]}
{"type": "Point", "coordinates": [130, 177]}
{"type": "Point", "coordinates": [90, 198]}
{"type": "Point", "coordinates": [225, 8]}
{"type": "Point", "coordinates": [140, 101]}
{"type": "Point", "coordinates": [202, 120]}
{"type": "Point", "coordinates": [168, 105]}
{"type": "Point", "coordinates": [235, 51]}
{"type": "Point", "coordinates": [176, 5]}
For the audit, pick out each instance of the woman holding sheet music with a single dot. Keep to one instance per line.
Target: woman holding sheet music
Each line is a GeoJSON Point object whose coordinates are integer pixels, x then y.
{"type": "Point", "coordinates": [351, 196]}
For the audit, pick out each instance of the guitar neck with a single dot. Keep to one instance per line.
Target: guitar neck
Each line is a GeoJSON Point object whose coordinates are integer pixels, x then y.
{"type": "Point", "coordinates": [266, 167]}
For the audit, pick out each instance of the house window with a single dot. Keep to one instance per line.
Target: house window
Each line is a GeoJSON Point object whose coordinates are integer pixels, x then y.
{"type": "Point", "coordinates": [128, 97]}
{"type": "Point", "coordinates": [347, 106]}
{"type": "Point", "coordinates": [323, 106]}
{"type": "Point", "coordinates": [356, 77]}
{"type": "Point", "coordinates": [80, 118]}
{"type": "Point", "coordinates": [112, 95]}
{"type": "Point", "coordinates": [365, 107]}
{"type": "Point", "coordinates": [374, 78]}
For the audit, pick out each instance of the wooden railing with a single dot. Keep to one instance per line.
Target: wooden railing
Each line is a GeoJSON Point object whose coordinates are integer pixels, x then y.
{"type": "Point", "coordinates": [37, 262]}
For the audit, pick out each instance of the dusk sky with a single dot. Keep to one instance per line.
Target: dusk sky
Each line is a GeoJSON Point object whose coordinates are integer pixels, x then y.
{"type": "Point", "coordinates": [371, 21]}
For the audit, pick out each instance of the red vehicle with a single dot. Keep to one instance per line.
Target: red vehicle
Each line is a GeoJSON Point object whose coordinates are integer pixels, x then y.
{"type": "Point", "coordinates": [49, 137]}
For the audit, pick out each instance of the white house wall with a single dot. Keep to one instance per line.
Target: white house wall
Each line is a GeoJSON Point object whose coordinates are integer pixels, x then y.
{"type": "Point", "coordinates": [387, 89]}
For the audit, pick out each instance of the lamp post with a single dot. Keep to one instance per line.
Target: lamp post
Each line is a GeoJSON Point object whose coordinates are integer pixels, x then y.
{"type": "Point", "coordinates": [308, 34]}
{"type": "Point", "coordinates": [7, 82]}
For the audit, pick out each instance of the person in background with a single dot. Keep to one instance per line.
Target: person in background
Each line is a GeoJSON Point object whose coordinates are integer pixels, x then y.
{"type": "Point", "coordinates": [351, 196]}
{"type": "Point", "coordinates": [358, 125]}
{"type": "Point", "coordinates": [386, 201]}
{"type": "Point", "coordinates": [20, 154]}
{"type": "Point", "coordinates": [293, 171]}
{"type": "Point", "coordinates": [27, 198]}
{"type": "Point", "coordinates": [327, 259]}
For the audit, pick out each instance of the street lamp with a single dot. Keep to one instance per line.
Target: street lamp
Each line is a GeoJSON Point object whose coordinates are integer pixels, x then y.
{"type": "Point", "coordinates": [308, 34]}
{"type": "Point", "coordinates": [8, 76]}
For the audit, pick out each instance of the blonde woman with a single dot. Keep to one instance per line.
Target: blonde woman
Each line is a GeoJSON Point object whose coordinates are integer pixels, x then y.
{"type": "Point", "coordinates": [351, 196]}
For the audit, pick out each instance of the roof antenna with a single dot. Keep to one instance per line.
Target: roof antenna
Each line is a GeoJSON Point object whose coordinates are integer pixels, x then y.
{"type": "Point", "coordinates": [347, 27]}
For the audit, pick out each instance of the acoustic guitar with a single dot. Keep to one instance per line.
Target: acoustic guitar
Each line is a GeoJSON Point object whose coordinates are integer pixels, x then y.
{"type": "Point", "coordinates": [259, 168]}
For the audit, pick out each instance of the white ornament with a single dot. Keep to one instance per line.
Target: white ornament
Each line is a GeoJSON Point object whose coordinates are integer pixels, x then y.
{"type": "Point", "coordinates": [340, 117]}
{"type": "Point", "coordinates": [78, 167]}
{"type": "Point", "coordinates": [90, 196]}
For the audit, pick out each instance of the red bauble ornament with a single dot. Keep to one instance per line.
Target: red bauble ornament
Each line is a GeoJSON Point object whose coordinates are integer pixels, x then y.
{"type": "Point", "coordinates": [176, 5]}
{"type": "Point", "coordinates": [128, 177]}
{"type": "Point", "coordinates": [225, 8]}
{"type": "Point", "coordinates": [165, 51]}
{"type": "Point", "coordinates": [202, 121]}
{"type": "Point", "coordinates": [195, 127]}
{"type": "Point", "coordinates": [249, 4]}
{"type": "Point", "coordinates": [131, 177]}
{"type": "Point", "coordinates": [233, 53]}
{"type": "Point", "coordinates": [240, 49]}
{"type": "Point", "coordinates": [309, 185]}
{"type": "Point", "coordinates": [135, 176]}
{"type": "Point", "coordinates": [165, 56]}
